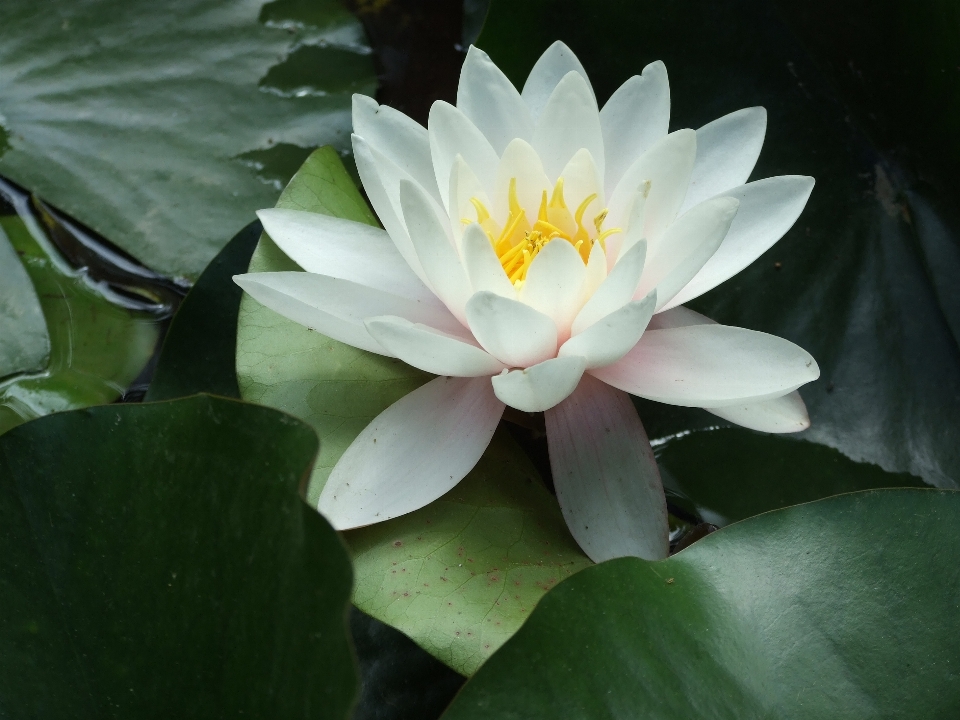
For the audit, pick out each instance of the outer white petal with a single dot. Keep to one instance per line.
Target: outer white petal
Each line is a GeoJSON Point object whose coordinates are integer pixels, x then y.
{"type": "Point", "coordinates": [570, 121]}
{"type": "Point", "coordinates": [342, 249]}
{"type": "Point", "coordinates": [491, 101]}
{"type": "Point", "coordinates": [686, 246]}
{"type": "Point", "coordinates": [785, 414]}
{"type": "Point", "coordinates": [678, 317]}
{"type": "Point", "coordinates": [710, 366]}
{"type": "Point", "coordinates": [768, 208]}
{"type": "Point", "coordinates": [337, 308]}
{"type": "Point", "coordinates": [667, 166]}
{"type": "Point", "coordinates": [634, 119]}
{"type": "Point", "coordinates": [606, 478]}
{"type": "Point", "coordinates": [412, 453]}
{"type": "Point", "coordinates": [596, 269]}
{"type": "Point", "coordinates": [431, 350]}
{"type": "Point", "coordinates": [616, 291]}
{"type": "Point", "coordinates": [511, 331]}
{"type": "Point", "coordinates": [520, 161]}
{"type": "Point", "coordinates": [436, 254]}
{"type": "Point", "coordinates": [452, 134]}
{"type": "Point", "coordinates": [541, 386]}
{"type": "Point", "coordinates": [613, 336]}
{"type": "Point", "coordinates": [556, 61]}
{"type": "Point", "coordinates": [554, 284]}
{"type": "Point", "coordinates": [482, 265]}
{"type": "Point", "coordinates": [727, 150]}
{"type": "Point", "coordinates": [400, 138]}
{"type": "Point", "coordinates": [633, 228]}
{"type": "Point", "coordinates": [386, 204]}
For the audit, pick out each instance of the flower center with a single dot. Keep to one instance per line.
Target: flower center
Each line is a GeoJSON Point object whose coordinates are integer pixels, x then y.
{"type": "Point", "coordinates": [518, 241]}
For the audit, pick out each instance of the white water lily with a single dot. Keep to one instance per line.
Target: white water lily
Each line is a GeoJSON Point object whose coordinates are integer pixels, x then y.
{"type": "Point", "coordinates": [536, 253]}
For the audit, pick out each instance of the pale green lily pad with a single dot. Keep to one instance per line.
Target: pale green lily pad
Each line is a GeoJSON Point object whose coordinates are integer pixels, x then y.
{"type": "Point", "coordinates": [156, 124]}
{"type": "Point", "coordinates": [24, 340]}
{"type": "Point", "coordinates": [459, 576]}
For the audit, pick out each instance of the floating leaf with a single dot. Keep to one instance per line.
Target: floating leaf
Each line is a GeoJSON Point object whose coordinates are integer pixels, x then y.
{"type": "Point", "coordinates": [841, 608]}
{"type": "Point", "coordinates": [24, 340]}
{"type": "Point", "coordinates": [158, 562]}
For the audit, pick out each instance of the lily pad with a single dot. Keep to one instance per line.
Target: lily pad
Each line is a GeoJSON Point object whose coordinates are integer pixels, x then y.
{"type": "Point", "coordinates": [862, 280]}
{"type": "Point", "coordinates": [841, 608]}
{"type": "Point", "coordinates": [158, 562]}
{"type": "Point", "coordinates": [137, 118]}
{"type": "Point", "coordinates": [500, 524]}
{"type": "Point", "coordinates": [24, 340]}
{"type": "Point", "coordinates": [100, 340]}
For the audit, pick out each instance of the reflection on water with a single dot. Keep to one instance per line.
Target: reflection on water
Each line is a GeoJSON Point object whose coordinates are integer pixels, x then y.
{"type": "Point", "coordinates": [105, 313]}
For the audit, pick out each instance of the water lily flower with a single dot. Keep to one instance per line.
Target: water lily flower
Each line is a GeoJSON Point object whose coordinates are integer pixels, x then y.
{"type": "Point", "coordinates": [536, 253]}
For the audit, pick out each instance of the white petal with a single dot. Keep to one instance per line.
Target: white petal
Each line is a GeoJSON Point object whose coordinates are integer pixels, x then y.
{"type": "Point", "coordinates": [400, 138]}
{"type": "Point", "coordinates": [554, 284]}
{"type": "Point", "coordinates": [727, 150]}
{"type": "Point", "coordinates": [678, 317]}
{"type": "Point", "coordinates": [768, 208]}
{"type": "Point", "coordinates": [511, 331]}
{"type": "Point", "coordinates": [337, 308]}
{"type": "Point", "coordinates": [613, 336]}
{"type": "Point", "coordinates": [570, 121]}
{"type": "Point", "coordinates": [482, 265]}
{"type": "Point", "coordinates": [452, 134]}
{"type": "Point", "coordinates": [785, 414]}
{"type": "Point", "coordinates": [436, 254]}
{"type": "Point", "coordinates": [616, 291]}
{"type": "Point", "coordinates": [343, 249]}
{"type": "Point", "coordinates": [431, 350]}
{"type": "Point", "coordinates": [667, 166]}
{"type": "Point", "coordinates": [606, 478]}
{"type": "Point", "coordinates": [633, 228]}
{"type": "Point", "coordinates": [581, 180]}
{"type": "Point", "coordinates": [710, 366]}
{"type": "Point", "coordinates": [686, 246]}
{"type": "Point", "coordinates": [491, 101]}
{"type": "Point", "coordinates": [596, 268]}
{"type": "Point", "coordinates": [556, 61]}
{"type": "Point", "coordinates": [386, 206]}
{"type": "Point", "coordinates": [520, 161]}
{"type": "Point", "coordinates": [413, 452]}
{"type": "Point", "coordinates": [464, 185]}
{"type": "Point", "coordinates": [539, 387]}
{"type": "Point", "coordinates": [634, 119]}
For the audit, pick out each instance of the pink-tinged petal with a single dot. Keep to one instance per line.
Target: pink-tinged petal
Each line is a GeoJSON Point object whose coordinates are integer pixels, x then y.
{"type": "Point", "coordinates": [613, 336]}
{"type": "Point", "coordinates": [634, 119]}
{"type": "Point", "coordinates": [377, 173]}
{"type": "Point", "coordinates": [402, 140]}
{"type": "Point", "coordinates": [768, 208]}
{"type": "Point", "coordinates": [413, 452]}
{"type": "Point", "coordinates": [727, 150]}
{"type": "Point", "coordinates": [686, 246]}
{"type": "Point", "coordinates": [541, 386]}
{"type": "Point", "coordinates": [452, 134]}
{"type": "Point", "coordinates": [678, 317]}
{"type": "Point", "coordinates": [710, 366]}
{"type": "Point", "coordinates": [521, 162]}
{"type": "Point", "coordinates": [482, 264]}
{"type": "Point", "coordinates": [490, 100]}
{"type": "Point", "coordinates": [431, 350]}
{"type": "Point", "coordinates": [337, 308]}
{"type": "Point", "coordinates": [606, 478]}
{"type": "Point", "coordinates": [616, 291]}
{"type": "Point", "coordinates": [667, 167]}
{"type": "Point", "coordinates": [436, 254]}
{"type": "Point", "coordinates": [343, 249]}
{"type": "Point", "coordinates": [570, 121]}
{"type": "Point", "coordinates": [511, 331]}
{"type": "Point", "coordinates": [556, 61]}
{"type": "Point", "coordinates": [785, 414]}
{"type": "Point", "coordinates": [554, 284]}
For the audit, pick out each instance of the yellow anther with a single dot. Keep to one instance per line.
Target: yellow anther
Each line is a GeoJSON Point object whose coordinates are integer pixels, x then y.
{"type": "Point", "coordinates": [482, 212]}
{"type": "Point", "coordinates": [542, 215]}
{"type": "Point", "coordinates": [557, 200]}
{"type": "Point", "coordinates": [513, 200]}
{"type": "Point", "coordinates": [598, 220]}
{"type": "Point", "coordinates": [578, 216]}
{"type": "Point", "coordinates": [607, 233]}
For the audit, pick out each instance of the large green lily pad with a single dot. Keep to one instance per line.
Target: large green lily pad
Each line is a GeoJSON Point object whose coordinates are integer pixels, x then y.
{"type": "Point", "coordinates": [164, 125]}
{"type": "Point", "coordinates": [843, 608]}
{"type": "Point", "coordinates": [157, 561]}
{"type": "Point", "coordinates": [459, 576]}
{"type": "Point", "coordinates": [24, 340]}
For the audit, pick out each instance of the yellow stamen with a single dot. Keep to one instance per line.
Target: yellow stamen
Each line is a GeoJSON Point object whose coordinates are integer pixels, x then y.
{"type": "Point", "coordinates": [578, 216]}
{"type": "Point", "coordinates": [557, 200]}
{"type": "Point", "coordinates": [482, 212]}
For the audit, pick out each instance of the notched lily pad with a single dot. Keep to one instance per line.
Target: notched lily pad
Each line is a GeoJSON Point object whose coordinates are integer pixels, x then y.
{"type": "Point", "coordinates": [24, 340]}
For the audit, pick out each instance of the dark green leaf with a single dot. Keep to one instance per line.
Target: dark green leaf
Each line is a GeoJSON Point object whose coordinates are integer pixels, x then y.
{"type": "Point", "coordinates": [24, 340]}
{"type": "Point", "coordinates": [842, 608]}
{"type": "Point", "coordinates": [199, 352]}
{"type": "Point", "coordinates": [158, 562]}
{"type": "Point", "coordinates": [139, 118]}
